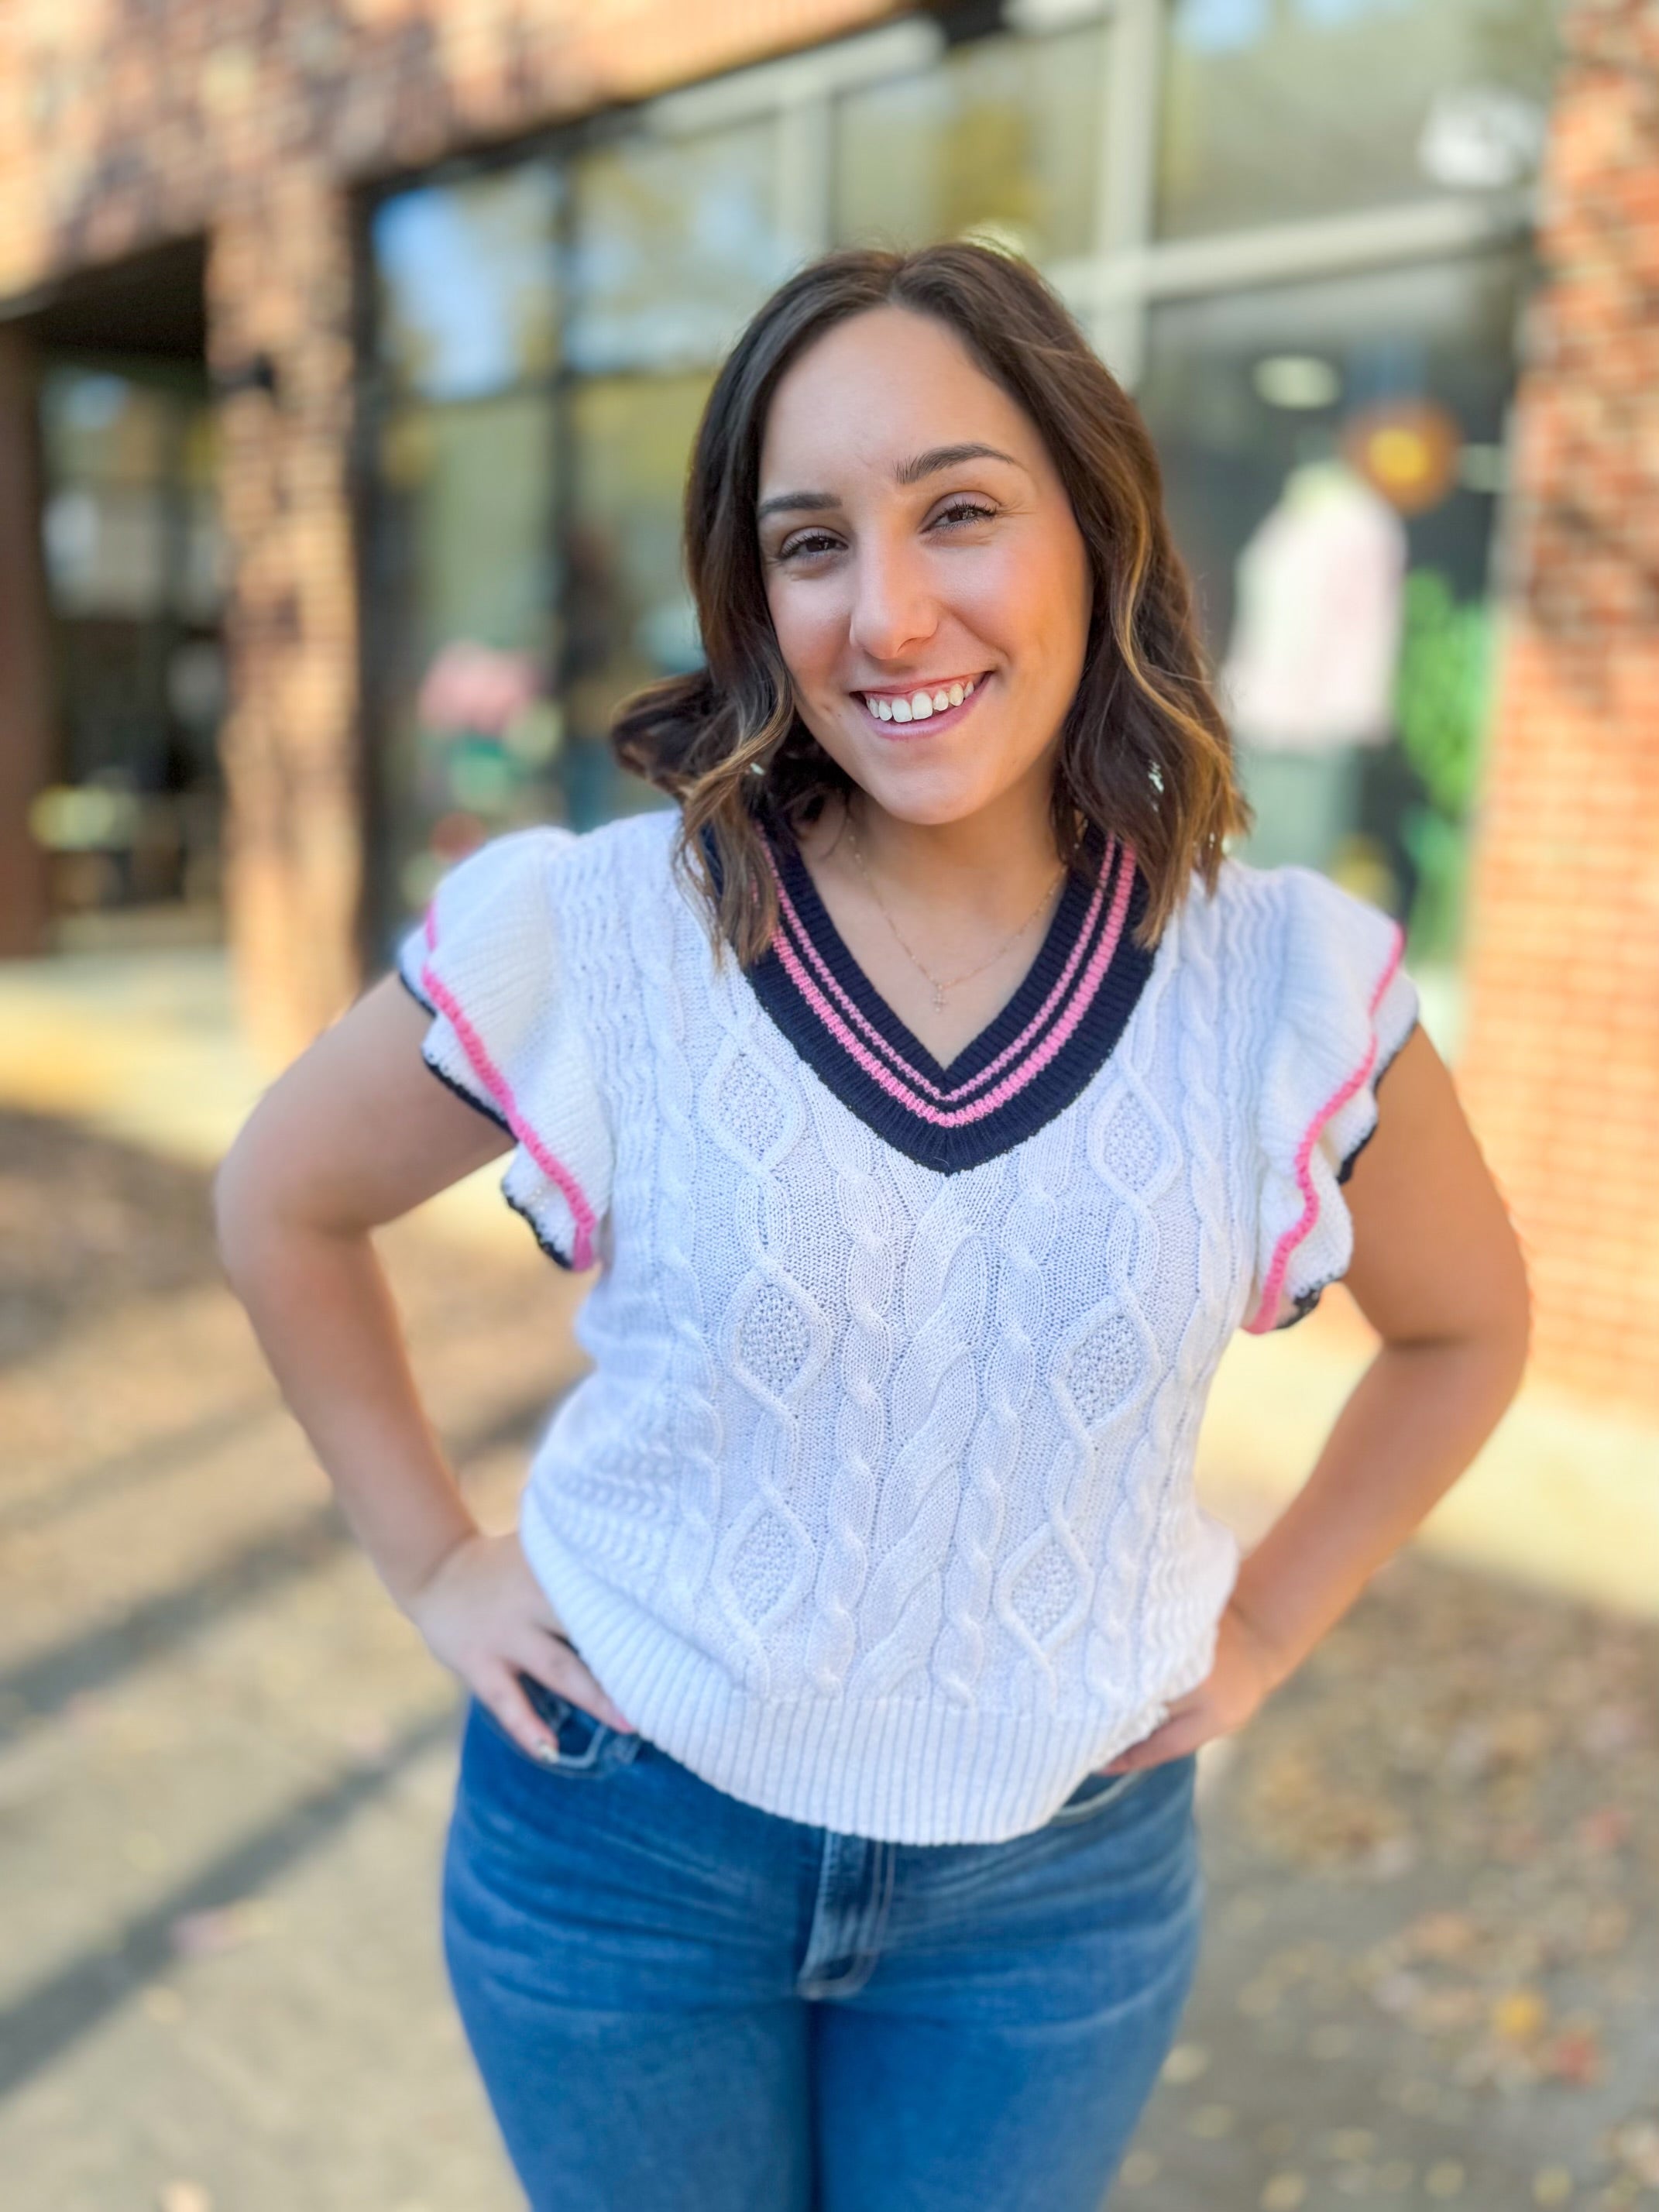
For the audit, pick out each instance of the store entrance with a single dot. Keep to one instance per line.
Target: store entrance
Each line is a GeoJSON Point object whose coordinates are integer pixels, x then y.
{"type": "Point", "coordinates": [129, 818]}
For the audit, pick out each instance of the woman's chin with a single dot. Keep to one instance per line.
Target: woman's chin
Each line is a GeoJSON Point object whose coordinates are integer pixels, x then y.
{"type": "Point", "coordinates": [932, 809]}
{"type": "Point", "coordinates": [929, 793]}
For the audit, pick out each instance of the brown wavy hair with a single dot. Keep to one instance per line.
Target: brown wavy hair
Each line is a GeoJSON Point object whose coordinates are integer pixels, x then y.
{"type": "Point", "coordinates": [1145, 751]}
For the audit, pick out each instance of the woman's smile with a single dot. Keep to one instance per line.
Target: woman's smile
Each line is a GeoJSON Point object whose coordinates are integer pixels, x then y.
{"type": "Point", "coordinates": [922, 709]}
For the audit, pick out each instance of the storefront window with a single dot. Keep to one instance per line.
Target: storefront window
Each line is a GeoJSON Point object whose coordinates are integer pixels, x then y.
{"type": "Point", "coordinates": [135, 575]}
{"type": "Point", "coordinates": [1331, 451]}
{"type": "Point", "coordinates": [559, 324]}
{"type": "Point", "coordinates": [628, 613]}
{"type": "Point", "coordinates": [673, 244]}
{"type": "Point", "coordinates": [1003, 135]}
{"type": "Point", "coordinates": [469, 599]}
{"type": "Point", "coordinates": [467, 303]}
{"type": "Point", "coordinates": [1275, 110]}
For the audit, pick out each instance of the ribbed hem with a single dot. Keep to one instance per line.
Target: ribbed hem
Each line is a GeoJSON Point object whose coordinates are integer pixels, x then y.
{"type": "Point", "coordinates": [902, 1770]}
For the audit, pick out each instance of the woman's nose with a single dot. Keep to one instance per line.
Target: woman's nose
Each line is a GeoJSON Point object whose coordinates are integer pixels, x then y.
{"type": "Point", "coordinates": [894, 605]}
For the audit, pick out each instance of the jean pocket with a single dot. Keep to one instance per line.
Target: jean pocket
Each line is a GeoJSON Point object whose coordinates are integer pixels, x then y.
{"type": "Point", "coordinates": [1093, 1795]}
{"type": "Point", "coordinates": [586, 1745]}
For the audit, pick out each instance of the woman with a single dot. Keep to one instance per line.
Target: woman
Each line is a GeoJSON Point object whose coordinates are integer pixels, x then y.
{"type": "Point", "coordinates": [937, 1099]}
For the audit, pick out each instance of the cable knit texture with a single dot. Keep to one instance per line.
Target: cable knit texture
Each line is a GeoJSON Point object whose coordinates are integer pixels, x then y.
{"type": "Point", "coordinates": [876, 1509]}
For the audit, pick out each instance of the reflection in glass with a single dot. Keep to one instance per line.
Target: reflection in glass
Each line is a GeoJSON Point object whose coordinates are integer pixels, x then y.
{"type": "Point", "coordinates": [135, 575]}
{"type": "Point", "coordinates": [674, 243]}
{"type": "Point", "coordinates": [102, 428]}
{"type": "Point", "coordinates": [468, 609]}
{"type": "Point", "coordinates": [112, 449]}
{"type": "Point", "coordinates": [466, 286]}
{"type": "Point", "coordinates": [629, 616]}
{"type": "Point", "coordinates": [1277, 110]}
{"type": "Point", "coordinates": [1339, 528]}
{"type": "Point", "coordinates": [1003, 135]}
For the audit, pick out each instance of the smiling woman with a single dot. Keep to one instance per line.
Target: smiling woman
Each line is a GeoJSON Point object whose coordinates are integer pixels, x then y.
{"type": "Point", "coordinates": [937, 1098]}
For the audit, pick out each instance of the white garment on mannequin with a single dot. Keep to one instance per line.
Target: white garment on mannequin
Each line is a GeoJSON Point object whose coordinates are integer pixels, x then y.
{"type": "Point", "coordinates": [1320, 598]}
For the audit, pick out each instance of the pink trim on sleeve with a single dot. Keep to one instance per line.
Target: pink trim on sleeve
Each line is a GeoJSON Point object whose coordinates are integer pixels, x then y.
{"type": "Point", "coordinates": [1267, 1310]}
{"type": "Point", "coordinates": [581, 1213]}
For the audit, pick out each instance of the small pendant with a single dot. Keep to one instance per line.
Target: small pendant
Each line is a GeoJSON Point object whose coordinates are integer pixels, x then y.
{"type": "Point", "coordinates": [939, 998]}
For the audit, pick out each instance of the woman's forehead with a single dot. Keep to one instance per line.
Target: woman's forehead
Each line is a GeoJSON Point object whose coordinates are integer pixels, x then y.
{"type": "Point", "coordinates": [881, 388]}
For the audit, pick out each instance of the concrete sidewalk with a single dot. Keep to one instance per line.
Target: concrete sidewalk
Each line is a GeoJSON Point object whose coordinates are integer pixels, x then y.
{"type": "Point", "coordinates": [145, 1049]}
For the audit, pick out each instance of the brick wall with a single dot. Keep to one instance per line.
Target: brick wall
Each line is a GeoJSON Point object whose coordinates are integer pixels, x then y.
{"type": "Point", "coordinates": [1561, 1071]}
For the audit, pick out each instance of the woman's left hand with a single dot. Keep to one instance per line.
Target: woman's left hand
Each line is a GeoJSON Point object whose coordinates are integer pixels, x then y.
{"type": "Point", "coordinates": [1235, 1684]}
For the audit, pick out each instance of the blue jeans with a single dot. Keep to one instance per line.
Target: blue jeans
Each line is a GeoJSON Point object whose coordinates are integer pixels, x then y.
{"type": "Point", "coordinates": [681, 2003]}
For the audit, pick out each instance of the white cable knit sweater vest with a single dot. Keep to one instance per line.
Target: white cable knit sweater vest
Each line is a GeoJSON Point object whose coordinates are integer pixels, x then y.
{"type": "Point", "coordinates": [876, 1509]}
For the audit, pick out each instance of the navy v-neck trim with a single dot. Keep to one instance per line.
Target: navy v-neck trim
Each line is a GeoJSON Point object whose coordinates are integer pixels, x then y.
{"type": "Point", "coordinates": [1031, 1060]}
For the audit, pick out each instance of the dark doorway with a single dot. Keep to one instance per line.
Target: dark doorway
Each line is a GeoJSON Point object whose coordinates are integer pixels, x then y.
{"type": "Point", "coordinates": [134, 565]}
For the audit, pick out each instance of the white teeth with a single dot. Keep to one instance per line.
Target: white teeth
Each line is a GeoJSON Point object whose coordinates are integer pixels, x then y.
{"type": "Point", "coordinates": [920, 704]}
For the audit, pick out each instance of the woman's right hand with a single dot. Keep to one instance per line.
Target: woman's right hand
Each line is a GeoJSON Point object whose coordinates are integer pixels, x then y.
{"type": "Point", "coordinates": [484, 1616]}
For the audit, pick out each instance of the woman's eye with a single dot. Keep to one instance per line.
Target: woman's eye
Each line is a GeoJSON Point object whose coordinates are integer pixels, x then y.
{"type": "Point", "coordinates": [809, 543]}
{"type": "Point", "coordinates": [812, 544]}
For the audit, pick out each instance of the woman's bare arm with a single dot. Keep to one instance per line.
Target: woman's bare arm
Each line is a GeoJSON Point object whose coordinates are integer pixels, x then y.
{"type": "Point", "coordinates": [1438, 1273]}
{"type": "Point", "coordinates": [356, 1132]}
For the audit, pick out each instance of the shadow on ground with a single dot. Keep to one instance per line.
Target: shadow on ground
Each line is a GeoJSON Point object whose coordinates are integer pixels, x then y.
{"type": "Point", "coordinates": [87, 1226]}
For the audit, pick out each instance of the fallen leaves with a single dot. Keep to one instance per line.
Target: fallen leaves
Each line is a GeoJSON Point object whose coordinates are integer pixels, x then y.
{"type": "Point", "coordinates": [1518, 2016]}
{"type": "Point", "coordinates": [1574, 2056]}
{"type": "Point", "coordinates": [1635, 2146]}
{"type": "Point", "coordinates": [1284, 2191]}
{"type": "Point", "coordinates": [1499, 1755]}
{"type": "Point", "coordinates": [1186, 2063]}
{"type": "Point", "coordinates": [205, 1935]}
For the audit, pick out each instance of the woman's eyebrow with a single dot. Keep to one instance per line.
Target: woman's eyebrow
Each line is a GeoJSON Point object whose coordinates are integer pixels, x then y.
{"type": "Point", "coordinates": [908, 473]}
{"type": "Point", "coordinates": [948, 456]}
{"type": "Point", "coordinates": [796, 502]}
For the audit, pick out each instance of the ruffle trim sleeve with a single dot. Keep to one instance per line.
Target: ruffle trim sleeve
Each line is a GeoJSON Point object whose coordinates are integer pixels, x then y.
{"type": "Point", "coordinates": [1345, 1005]}
{"type": "Point", "coordinates": [485, 964]}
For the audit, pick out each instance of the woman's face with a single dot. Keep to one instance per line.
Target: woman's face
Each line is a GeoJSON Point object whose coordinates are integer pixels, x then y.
{"type": "Point", "coordinates": [915, 538]}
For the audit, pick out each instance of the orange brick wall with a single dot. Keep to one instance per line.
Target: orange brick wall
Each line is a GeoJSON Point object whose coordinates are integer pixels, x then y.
{"type": "Point", "coordinates": [1561, 1069]}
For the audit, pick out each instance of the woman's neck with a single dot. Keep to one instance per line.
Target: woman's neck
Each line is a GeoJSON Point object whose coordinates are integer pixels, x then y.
{"type": "Point", "coordinates": [944, 920]}
{"type": "Point", "coordinates": [989, 866]}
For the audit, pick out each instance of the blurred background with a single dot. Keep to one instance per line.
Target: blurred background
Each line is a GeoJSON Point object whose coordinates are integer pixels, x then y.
{"type": "Point", "coordinates": [349, 355]}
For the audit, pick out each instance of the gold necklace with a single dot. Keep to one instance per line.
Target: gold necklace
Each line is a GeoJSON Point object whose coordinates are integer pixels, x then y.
{"type": "Point", "coordinates": [941, 986]}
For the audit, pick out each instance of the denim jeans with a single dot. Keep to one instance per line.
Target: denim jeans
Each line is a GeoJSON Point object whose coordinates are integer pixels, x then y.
{"type": "Point", "coordinates": [681, 2003]}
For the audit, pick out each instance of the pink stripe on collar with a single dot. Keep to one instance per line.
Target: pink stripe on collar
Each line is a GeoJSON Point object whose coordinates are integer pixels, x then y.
{"type": "Point", "coordinates": [1011, 1085]}
{"type": "Point", "coordinates": [890, 1052]}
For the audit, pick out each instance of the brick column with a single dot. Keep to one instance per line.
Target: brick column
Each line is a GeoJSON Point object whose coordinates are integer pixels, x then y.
{"type": "Point", "coordinates": [279, 343]}
{"type": "Point", "coordinates": [1561, 1067]}
{"type": "Point", "coordinates": [26, 732]}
